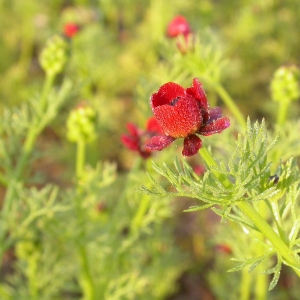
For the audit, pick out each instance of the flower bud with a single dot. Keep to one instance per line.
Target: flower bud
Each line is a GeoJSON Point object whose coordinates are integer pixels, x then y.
{"type": "Point", "coordinates": [178, 26]}
{"type": "Point", "coordinates": [27, 248]}
{"type": "Point", "coordinates": [54, 55]}
{"type": "Point", "coordinates": [81, 125]}
{"type": "Point", "coordinates": [285, 84]}
{"type": "Point", "coordinates": [71, 29]}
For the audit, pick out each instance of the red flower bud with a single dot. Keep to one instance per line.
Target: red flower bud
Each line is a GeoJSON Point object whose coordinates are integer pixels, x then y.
{"type": "Point", "coordinates": [223, 248]}
{"type": "Point", "coordinates": [178, 26]}
{"type": "Point", "coordinates": [71, 29]}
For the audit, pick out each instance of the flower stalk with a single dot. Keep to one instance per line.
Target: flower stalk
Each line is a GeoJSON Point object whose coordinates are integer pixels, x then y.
{"type": "Point", "coordinates": [245, 285]}
{"type": "Point", "coordinates": [282, 112]}
{"type": "Point", "coordinates": [85, 277]}
{"type": "Point", "coordinates": [229, 102]}
{"type": "Point", "coordinates": [227, 99]}
{"type": "Point", "coordinates": [80, 158]}
{"type": "Point", "coordinates": [49, 81]}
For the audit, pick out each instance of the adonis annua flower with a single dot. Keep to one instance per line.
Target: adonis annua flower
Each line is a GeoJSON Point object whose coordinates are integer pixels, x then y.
{"type": "Point", "coordinates": [71, 29]}
{"type": "Point", "coordinates": [178, 26]}
{"type": "Point", "coordinates": [184, 113]}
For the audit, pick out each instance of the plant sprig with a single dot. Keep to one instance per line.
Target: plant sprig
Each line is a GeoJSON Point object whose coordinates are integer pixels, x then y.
{"type": "Point", "coordinates": [234, 187]}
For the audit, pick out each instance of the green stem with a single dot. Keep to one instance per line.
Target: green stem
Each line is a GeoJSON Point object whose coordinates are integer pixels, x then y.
{"type": "Point", "coordinates": [80, 158]}
{"type": "Point", "coordinates": [27, 149]}
{"type": "Point", "coordinates": [32, 272]}
{"type": "Point", "coordinates": [248, 210]}
{"type": "Point", "coordinates": [261, 284]}
{"type": "Point", "coordinates": [85, 278]}
{"type": "Point", "coordinates": [245, 285]}
{"type": "Point", "coordinates": [261, 280]}
{"type": "Point", "coordinates": [46, 88]}
{"type": "Point", "coordinates": [230, 104]}
{"type": "Point", "coordinates": [271, 235]}
{"type": "Point", "coordinates": [278, 220]}
{"type": "Point", "coordinates": [282, 112]}
{"type": "Point", "coordinates": [142, 209]}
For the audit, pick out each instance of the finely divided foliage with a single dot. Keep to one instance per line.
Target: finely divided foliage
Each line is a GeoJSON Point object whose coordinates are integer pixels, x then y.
{"type": "Point", "coordinates": [247, 168]}
{"type": "Point", "coordinates": [248, 172]}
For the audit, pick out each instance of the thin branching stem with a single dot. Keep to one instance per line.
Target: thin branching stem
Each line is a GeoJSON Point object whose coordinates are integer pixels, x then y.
{"type": "Point", "coordinates": [229, 102]}
{"type": "Point", "coordinates": [282, 112]}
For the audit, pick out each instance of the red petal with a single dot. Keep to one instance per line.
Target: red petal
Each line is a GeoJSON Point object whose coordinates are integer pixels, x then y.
{"type": "Point", "coordinates": [71, 29]}
{"type": "Point", "coordinates": [133, 129]}
{"type": "Point", "coordinates": [166, 94]}
{"type": "Point", "coordinates": [192, 144]}
{"type": "Point", "coordinates": [153, 126]}
{"type": "Point", "coordinates": [215, 127]}
{"type": "Point", "coordinates": [180, 120]}
{"type": "Point", "coordinates": [159, 142]}
{"type": "Point", "coordinates": [130, 142]}
{"type": "Point", "coordinates": [197, 91]}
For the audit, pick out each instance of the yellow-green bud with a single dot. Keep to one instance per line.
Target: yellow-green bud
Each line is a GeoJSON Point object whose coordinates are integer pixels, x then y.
{"type": "Point", "coordinates": [54, 56]}
{"type": "Point", "coordinates": [81, 125]}
{"type": "Point", "coordinates": [25, 249]}
{"type": "Point", "coordinates": [28, 247]}
{"type": "Point", "coordinates": [285, 84]}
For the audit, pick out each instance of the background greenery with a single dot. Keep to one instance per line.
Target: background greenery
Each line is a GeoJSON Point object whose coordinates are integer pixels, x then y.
{"type": "Point", "coordinates": [120, 56]}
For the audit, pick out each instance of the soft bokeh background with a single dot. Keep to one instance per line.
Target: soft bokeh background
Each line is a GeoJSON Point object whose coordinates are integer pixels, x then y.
{"type": "Point", "coordinates": [117, 59]}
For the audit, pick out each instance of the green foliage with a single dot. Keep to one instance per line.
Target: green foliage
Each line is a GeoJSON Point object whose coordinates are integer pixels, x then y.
{"type": "Point", "coordinates": [91, 235]}
{"type": "Point", "coordinates": [243, 177]}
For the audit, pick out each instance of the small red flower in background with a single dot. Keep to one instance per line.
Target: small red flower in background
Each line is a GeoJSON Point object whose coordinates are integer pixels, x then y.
{"type": "Point", "coordinates": [71, 29]}
{"type": "Point", "coordinates": [184, 113]}
{"type": "Point", "coordinates": [199, 170]}
{"type": "Point", "coordinates": [178, 26]}
{"type": "Point", "coordinates": [180, 29]}
{"type": "Point", "coordinates": [136, 137]}
{"type": "Point", "coordinates": [223, 248]}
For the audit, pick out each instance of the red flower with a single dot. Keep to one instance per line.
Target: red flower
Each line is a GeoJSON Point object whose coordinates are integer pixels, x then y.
{"type": "Point", "coordinates": [223, 248]}
{"type": "Point", "coordinates": [178, 26]}
{"type": "Point", "coordinates": [184, 113]}
{"type": "Point", "coordinates": [199, 169]}
{"type": "Point", "coordinates": [134, 140]}
{"type": "Point", "coordinates": [71, 29]}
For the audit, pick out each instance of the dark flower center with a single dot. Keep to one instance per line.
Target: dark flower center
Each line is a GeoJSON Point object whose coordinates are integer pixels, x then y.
{"type": "Point", "coordinates": [174, 101]}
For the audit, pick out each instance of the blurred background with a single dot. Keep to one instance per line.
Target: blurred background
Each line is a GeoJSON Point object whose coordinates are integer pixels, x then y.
{"type": "Point", "coordinates": [119, 55]}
